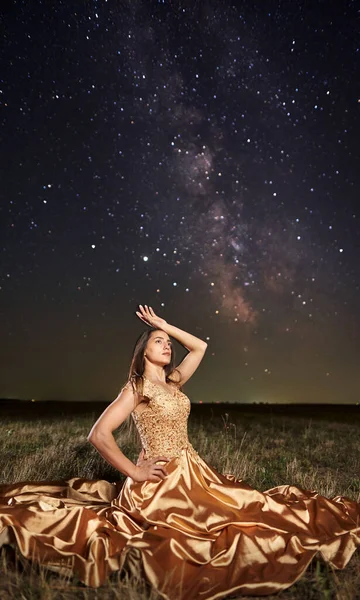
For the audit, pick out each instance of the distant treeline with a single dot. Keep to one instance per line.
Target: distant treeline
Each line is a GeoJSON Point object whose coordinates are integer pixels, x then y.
{"type": "Point", "coordinates": [54, 409]}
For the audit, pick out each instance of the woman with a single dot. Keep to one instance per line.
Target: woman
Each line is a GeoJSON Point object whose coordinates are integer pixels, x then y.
{"type": "Point", "coordinates": [189, 530]}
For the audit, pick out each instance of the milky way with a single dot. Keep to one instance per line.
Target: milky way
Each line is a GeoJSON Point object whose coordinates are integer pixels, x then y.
{"type": "Point", "coordinates": [200, 157]}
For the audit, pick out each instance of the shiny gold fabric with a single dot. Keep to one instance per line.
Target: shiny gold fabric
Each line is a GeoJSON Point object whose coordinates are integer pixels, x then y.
{"type": "Point", "coordinates": [197, 534]}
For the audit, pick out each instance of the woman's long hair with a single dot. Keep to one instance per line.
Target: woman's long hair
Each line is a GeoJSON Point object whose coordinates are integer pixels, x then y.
{"type": "Point", "coordinates": [136, 371]}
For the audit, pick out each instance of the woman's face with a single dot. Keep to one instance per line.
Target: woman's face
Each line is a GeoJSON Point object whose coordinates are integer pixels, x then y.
{"type": "Point", "coordinates": [159, 347]}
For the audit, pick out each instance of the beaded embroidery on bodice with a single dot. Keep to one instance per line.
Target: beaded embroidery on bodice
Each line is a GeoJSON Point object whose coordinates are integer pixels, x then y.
{"type": "Point", "coordinates": [162, 424]}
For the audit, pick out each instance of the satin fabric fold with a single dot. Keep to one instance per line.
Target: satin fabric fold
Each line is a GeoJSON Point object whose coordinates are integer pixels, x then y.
{"type": "Point", "coordinates": [195, 534]}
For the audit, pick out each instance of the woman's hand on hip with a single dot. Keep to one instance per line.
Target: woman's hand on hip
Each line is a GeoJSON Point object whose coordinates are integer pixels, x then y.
{"type": "Point", "coordinates": [148, 470]}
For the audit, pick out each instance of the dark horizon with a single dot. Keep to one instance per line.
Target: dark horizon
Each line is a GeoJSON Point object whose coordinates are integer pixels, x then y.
{"type": "Point", "coordinates": [218, 413]}
{"type": "Point", "coordinates": [217, 403]}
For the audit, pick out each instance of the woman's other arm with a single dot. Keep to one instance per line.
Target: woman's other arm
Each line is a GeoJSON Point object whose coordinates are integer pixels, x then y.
{"type": "Point", "coordinates": [102, 439]}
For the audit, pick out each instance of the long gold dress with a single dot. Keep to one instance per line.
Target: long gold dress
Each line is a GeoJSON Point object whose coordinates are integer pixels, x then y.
{"type": "Point", "coordinates": [197, 534]}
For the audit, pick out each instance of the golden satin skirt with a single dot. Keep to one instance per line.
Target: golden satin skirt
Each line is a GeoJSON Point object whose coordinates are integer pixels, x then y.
{"type": "Point", "coordinates": [197, 534]}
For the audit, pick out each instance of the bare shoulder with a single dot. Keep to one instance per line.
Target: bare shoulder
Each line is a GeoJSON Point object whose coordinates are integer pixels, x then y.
{"type": "Point", "coordinates": [116, 413]}
{"type": "Point", "coordinates": [175, 377]}
{"type": "Point", "coordinates": [131, 392]}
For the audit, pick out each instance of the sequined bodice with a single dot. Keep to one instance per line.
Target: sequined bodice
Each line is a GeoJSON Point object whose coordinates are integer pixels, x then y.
{"type": "Point", "coordinates": [162, 424]}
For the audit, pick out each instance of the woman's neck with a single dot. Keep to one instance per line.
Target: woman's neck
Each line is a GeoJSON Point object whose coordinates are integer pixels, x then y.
{"type": "Point", "coordinates": [155, 375]}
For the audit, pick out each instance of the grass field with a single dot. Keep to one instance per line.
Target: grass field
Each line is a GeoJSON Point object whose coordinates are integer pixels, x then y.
{"type": "Point", "coordinates": [265, 450]}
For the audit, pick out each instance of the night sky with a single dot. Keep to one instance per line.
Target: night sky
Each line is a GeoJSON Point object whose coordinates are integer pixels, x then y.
{"type": "Point", "coordinates": [201, 157]}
